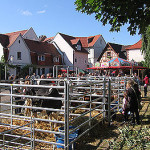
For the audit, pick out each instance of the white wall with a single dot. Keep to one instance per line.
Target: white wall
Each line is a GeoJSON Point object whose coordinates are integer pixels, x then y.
{"type": "Point", "coordinates": [1, 51]}
{"type": "Point", "coordinates": [19, 47]}
{"type": "Point", "coordinates": [66, 48]}
{"type": "Point", "coordinates": [136, 55]}
{"type": "Point", "coordinates": [31, 35]}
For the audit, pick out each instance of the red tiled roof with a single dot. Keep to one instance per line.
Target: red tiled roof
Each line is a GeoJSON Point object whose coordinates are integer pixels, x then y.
{"type": "Point", "coordinates": [12, 39]}
{"type": "Point", "coordinates": [95, 38]}
{"type": "Point", "coordinates": [14, 35]}
{"type": "Point", "coordinates": [88, 41]}
{"type": "Point", "coordinates": [84, 41]}
{"type": "Point", "coordinates": [68, 39]}
{"type": "Point", "coordinates": [41, 47]}
{"type": "Point", "coordinates": [17, 32]}
{"type": "Point", "coordinates": [137, 45]}
{"type": "Point", "coordinates": [47, 39]}
{"type": "Point", "coordinates": [74, 41]}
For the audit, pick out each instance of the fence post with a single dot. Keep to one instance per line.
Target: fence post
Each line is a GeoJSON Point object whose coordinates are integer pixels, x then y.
{"type": "Point", "coordinates": [125, 83]}
{"type": "Point", "coordinates": [119, 80]}
{"type": "Point", "coordinates": [54, 71]}
{"type": "Point", "coordinates": [109, 101]}
{"type": "Point", "coordinates": [90, 107]}
{"type": "Point", "coordinates": [3, 141]}
{"type": "Point", "coordinates": [68, 72]}
{"type": "Point", "coordinates": [66, 104]}
{"type": "Point", "coordinates": [0, 105]}
{"type": "Point", "coordinates": [11, 99]}
{"type": "Point", "coordinates": [104, 99]}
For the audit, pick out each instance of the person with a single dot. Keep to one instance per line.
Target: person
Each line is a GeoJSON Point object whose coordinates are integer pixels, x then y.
{"type": "Point", "coordinates": [146, 82]}
{"type": "Point", "coordinates": [137, 79]}
{"type": "Point", "coordinates": [132, 96]}
{"type": "Point", "coordinates": [33, 77]}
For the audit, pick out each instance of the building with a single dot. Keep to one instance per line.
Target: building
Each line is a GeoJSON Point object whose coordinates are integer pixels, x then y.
{"type": "Point", "coordinates": [135, 50]}
{"type": "Point", "coordinates": [73, 52]}
{"type": "Point", "coordinates": [23, 48]}
{"type": "Point", "coordinates": [112, 51]}
{"type": "Point", "coordinates": [71, 46]}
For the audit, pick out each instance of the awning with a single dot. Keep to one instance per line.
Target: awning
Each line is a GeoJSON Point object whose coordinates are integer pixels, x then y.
{"type": "Point", "coordinates": [118, 67]}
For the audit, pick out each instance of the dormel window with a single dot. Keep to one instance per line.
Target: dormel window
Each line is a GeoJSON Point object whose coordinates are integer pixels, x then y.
{"type": "Point", "coordinates": [56, 59]}
{"type": "Point", "coordinates": [18, 55]}
{"type": "Point", "coordinates": [79, 47]}
{"type": "Point", "coordinates": [41, 58]}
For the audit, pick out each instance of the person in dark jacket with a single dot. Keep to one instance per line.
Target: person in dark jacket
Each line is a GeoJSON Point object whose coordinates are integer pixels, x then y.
{"type": "Point", "coordinates": [132, 99]}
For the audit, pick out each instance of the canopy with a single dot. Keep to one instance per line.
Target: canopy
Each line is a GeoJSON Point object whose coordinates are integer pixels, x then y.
{"type": "Point", "coordinates": [118, 67]}
{"type": "Point", "coordinates": [119, 62]}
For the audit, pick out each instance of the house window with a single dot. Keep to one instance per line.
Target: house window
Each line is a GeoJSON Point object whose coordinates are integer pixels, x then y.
{"type": "Point", "coordinates": [19, 55]}
{"type": "Point", "coordinates": [56, 59]}
{"type": "Point", "coordinates": [19, 41]}
{"type": "Point", "coordinates": [109, 55]}
{"type": "Point", "coordinates": [79, 47]}
{"type": "Point", "coordinates": [85, 61]}
{"type": "Point", "coordinates": [41, 58]}
{"type": "Point", "coordinates": [75, 60]}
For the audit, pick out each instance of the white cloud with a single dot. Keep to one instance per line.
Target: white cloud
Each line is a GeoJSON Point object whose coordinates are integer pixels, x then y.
{"type": "Point", "coordinates": [41, 12]}
{"type": "Point", "coordinates": [26, 13]}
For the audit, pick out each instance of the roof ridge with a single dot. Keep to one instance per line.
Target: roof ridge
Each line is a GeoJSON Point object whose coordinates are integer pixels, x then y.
{"type": "Point", "coordinates": [16, 32]}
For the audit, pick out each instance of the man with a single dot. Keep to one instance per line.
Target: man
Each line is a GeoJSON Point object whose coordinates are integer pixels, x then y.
{"type": "Point", "coordinates": [146, 82]}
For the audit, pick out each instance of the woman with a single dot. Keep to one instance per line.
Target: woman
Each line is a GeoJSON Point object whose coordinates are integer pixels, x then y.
{"type": "Point", "coordinates": [132, 96]}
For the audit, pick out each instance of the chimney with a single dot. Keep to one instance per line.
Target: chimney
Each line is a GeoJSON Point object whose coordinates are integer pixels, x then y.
{"type": "Point", "coordinates": [42, 37]}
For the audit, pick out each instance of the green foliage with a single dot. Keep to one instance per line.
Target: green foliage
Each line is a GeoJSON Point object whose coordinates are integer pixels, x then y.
{"type": "Point", "coordinates": [131, 138]}
{"type": "Point", "coordinates": [25, 70]}
{"type": "Point", "coordinates": [146, 46]}
{"type": "Point", "coordinates": [118, 12]}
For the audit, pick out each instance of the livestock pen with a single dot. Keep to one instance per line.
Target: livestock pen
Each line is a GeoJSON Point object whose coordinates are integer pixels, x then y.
{"type": "Point", "coordinates": [86, 102]}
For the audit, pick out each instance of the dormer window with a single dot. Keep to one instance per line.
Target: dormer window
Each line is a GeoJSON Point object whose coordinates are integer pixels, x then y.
{"type": "Point", "coordinates": [41, 58]}
{"type": "Point", "coordinates": [79, 47]}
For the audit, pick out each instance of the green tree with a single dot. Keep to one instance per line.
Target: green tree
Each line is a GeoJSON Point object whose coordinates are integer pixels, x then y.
{"type": "Point", "coordinates": [146, 46]}
{"type": "Point", "coordinates": [118, 13]}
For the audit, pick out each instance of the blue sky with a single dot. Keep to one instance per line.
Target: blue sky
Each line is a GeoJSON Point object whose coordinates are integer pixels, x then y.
{"type": "Point", "coordinates": [48, 17]}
